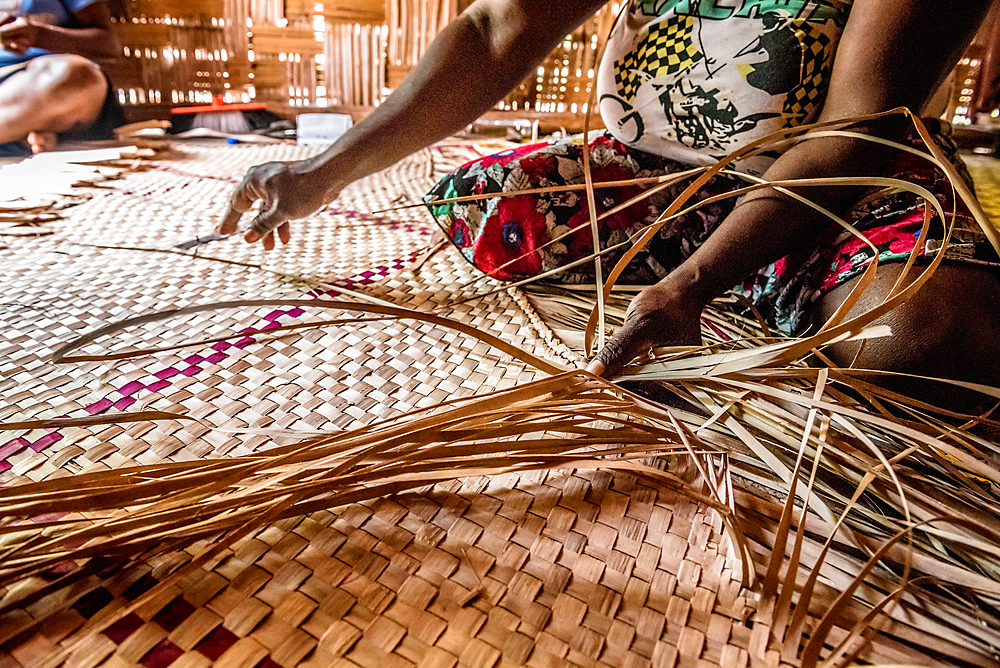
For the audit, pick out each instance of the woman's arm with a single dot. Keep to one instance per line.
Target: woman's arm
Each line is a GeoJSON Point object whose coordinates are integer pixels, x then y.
{"type": "Point", "coordinates": [891, 54]}
{"type": "Point", "coordinates": [469, 67]}
{"type": "Point", "coordinates": [93, 39]}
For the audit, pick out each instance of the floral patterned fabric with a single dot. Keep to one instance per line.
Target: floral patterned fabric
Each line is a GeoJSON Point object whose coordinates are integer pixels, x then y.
{"type": "Point", "coordinates": [521, 236]}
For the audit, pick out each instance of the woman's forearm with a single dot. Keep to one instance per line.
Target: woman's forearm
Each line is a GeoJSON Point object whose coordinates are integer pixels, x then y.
{"type": "Point", "coordinates": [468, 68]}
{"type": "Point", "coordinates": [767, 225]}
{"type": "Point", "coordinates": [90, 42]}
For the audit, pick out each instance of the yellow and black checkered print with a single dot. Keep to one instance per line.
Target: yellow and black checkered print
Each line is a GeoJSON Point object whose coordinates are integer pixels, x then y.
{"type": "Point", "coordinates": [666, 49]}
{"type": "Point", "coordinates": [802, 99]}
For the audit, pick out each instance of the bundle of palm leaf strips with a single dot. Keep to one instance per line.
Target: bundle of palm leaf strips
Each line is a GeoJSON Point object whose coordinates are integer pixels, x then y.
{"type": "Point", "coordinates": [865, 535]}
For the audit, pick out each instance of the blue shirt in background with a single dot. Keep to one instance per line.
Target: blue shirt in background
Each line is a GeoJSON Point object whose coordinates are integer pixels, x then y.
{"type": "Point", "coordinates": [53, 12]}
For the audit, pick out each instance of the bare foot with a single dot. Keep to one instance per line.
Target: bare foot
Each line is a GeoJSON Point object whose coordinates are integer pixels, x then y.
{"type": "Point", "coordinates": [41, 142]}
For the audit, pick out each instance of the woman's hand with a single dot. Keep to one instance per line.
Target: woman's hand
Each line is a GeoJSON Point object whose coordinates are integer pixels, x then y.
{"type": "Point", "coordinates": [17, 35]}
{"type": "Point", "coordinates": [286, 190]}
{"type": "Point", "coordinates": [660, 315]}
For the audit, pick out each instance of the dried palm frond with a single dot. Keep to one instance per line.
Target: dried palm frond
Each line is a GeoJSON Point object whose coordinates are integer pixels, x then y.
{"type": "Point", "coordinates": [152, 509]}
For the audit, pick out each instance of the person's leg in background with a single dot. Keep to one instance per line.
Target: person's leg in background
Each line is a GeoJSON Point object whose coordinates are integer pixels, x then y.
{"type": "Point", "coordinates": [52, 94]}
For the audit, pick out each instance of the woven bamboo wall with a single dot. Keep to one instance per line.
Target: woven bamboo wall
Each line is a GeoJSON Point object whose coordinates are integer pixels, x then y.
{"type": "Point", "coordinates": [563, 82]}
{"type": "Point", "coordinates": [306, 54]}
{"type": "Point", "coordinates": [347, 55]}
{"type": "Point", "coordinates": [295, 53]}
{"type": "Point", "coordinates": [557, 91]}
{"type": "Point", "coordinates": [412, 25]}
{"type": "Point", "coordinates": [180, 51]}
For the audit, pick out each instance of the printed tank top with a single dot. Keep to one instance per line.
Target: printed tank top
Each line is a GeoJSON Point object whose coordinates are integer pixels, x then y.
{"type": "Point", "coordinates": [694, 80]}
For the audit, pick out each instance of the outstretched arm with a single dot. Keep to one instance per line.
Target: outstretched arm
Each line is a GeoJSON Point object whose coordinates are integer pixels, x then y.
{"type": "Point", "coordinates": [93, 39]}
{"type": "Point", "coordinates": [469, 67]}
{"type": "Point", "coordinates": [891, 54]}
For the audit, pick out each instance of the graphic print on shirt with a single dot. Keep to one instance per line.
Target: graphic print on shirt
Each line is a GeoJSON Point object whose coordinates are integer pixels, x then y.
{"type": "Point", "coordinates": [690, 76]}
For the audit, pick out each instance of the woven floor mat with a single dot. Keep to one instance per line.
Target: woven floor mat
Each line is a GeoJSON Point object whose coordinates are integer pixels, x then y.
{"type": "Point", "coordinates": [113, 257]}
{"type": "Point", "coordinates": [985, 172]}
{"type": "Point", "coordinates": [550, 569]}
{"type": "Point", "coordinates": [539, 569]}
{"type": "Point", "coordinates": [543, 569]}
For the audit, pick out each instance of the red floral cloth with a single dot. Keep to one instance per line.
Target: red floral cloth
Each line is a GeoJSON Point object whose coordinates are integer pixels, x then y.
{"type": "Point", "coordinates": [521, 236]}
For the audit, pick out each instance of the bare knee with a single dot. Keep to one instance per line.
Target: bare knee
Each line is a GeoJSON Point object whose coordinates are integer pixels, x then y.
{"type": "Point", "coordinates": [949, 329]}
{"type": "Point", "coordinates": [70, 91]}
{"type": "Point", "coordinates": [66, 74]}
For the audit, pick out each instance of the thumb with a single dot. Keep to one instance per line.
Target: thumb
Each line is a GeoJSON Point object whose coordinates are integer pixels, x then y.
{"type": "Point", "coordinates": [620, 349]}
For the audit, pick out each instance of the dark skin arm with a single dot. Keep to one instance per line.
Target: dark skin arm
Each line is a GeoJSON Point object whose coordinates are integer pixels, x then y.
{"type": "Point", "coordinates": [93, 39]}
{"type": "Point", "coordinates": [891, 54]}
{"type": "Point", "coordinates": [469, 67]}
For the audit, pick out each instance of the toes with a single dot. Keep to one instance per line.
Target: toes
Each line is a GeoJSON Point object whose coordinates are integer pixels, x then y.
{"type": "Point", "coordinates": [40, 142]}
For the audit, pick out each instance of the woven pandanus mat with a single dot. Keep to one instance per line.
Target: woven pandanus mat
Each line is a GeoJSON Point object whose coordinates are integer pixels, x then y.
{"type": "Point", "coordinates": [985, 171]}
{"type": "Point", "coordinates": [544, 568]}
{"type": "Point", "coordinates": [114, 257]}
{"type": "Point", "coordinates": [547, 569]}
{"type": "Point", "coordinates": [540, 569]}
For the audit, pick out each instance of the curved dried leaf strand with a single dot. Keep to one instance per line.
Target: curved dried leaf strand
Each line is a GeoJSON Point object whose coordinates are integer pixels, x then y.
{"type": "Point", "coordinates": [61, 354]}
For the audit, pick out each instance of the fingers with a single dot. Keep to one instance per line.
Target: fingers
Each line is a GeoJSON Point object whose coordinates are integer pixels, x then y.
{"type": "Point", "coordinates": [264, 224]}
{"type": "Point", "coordinates": [13, 44]}
{"type": "Point", "coordinates": [660, 315]}
{"type": "Point", "coordinates": [284, 232]}
{"type": "Point", "coordinates": [271, 217]}
{"type": "Point", "coordinates": [241, 202]}
{"type": "Point", "coordinates": [17, 35]}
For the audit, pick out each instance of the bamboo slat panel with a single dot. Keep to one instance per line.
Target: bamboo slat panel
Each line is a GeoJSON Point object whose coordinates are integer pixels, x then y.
{"type": "Point", "coordinates": [565, 78]}
{"type": "Point", "coordinates": [266, 12]}
{"type": "Point", "coordinates": [181, 8]}
{"type": "Point", "coordinates": [561, 85]}
{"type": "Point", "coordinates": [181, 51]}
{"type": "Point", "coordinates": [330, 54]}
{"type": "Point", "coordinates": [413, 25]}
{"type": "Point", "coordinates": [349, 65]}
{"type": "Point", "coordinates": [287, 60]}
{"type": "Point", "coordinates": [237, 40]}
{"type": "Point", "coordinates": [354, 11]}
{"type": "Point", "coordinates": [269, 74]}
{"type": "Point", "coordinates": [274, 40]}
{"type": "Point", "coordinates": [139, 35]}
{"type": "Point", "coordinates": [355, 64]}
{"type": "Point", "coordinates": [298, 8]}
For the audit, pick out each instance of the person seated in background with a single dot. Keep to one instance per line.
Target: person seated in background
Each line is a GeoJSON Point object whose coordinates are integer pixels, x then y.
{"type": "Point", "coordinates": [49, 85]}
{"type": "Point", "coordinates": [682, 84]}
